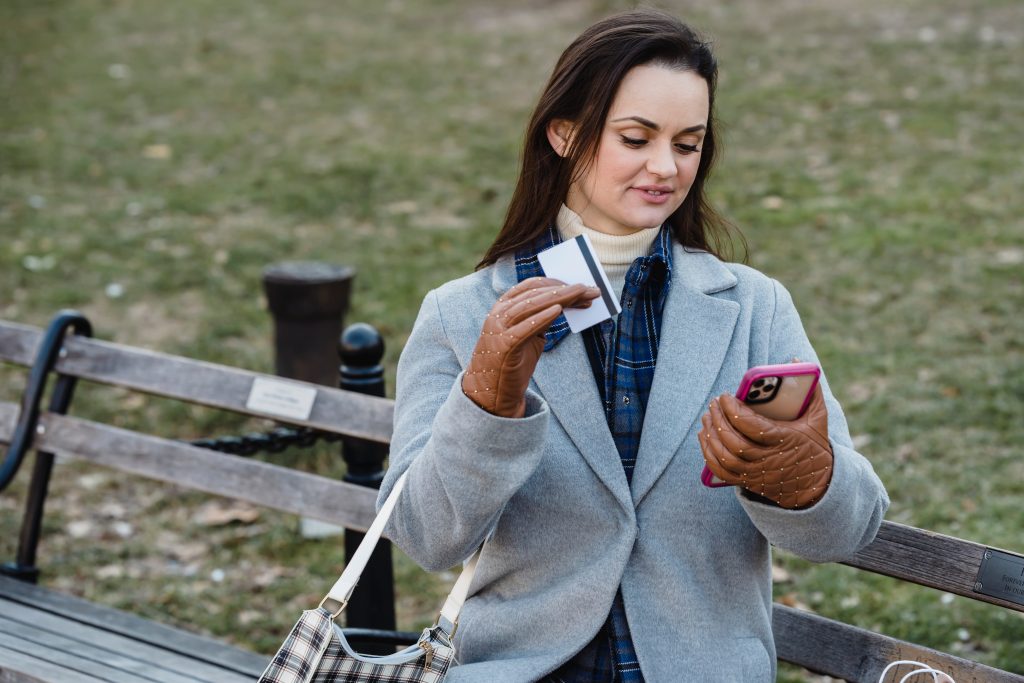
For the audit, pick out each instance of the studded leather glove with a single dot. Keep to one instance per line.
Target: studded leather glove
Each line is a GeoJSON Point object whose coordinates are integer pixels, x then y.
{"type": "Point", "coordinates": [787, 462]}
{"type": "Point", "coordinates": [512, 340]}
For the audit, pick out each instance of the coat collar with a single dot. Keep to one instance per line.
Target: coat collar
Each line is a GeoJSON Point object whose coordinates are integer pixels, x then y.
{"type": "Point", "coordinates": [695, 334]}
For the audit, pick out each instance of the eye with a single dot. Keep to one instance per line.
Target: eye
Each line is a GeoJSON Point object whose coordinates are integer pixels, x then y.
{"type": "Point", "coordinates": [686, 149]}
{"type": "Point", "coordinates": [633, 142]}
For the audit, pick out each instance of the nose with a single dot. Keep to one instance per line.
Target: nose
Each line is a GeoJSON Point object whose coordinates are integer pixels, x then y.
{"type": "Point", "coordinates": [661, 162]}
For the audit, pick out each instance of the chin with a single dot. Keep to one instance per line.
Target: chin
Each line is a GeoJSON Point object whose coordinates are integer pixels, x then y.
{"type": "Point", "coordinates": [649, 219]}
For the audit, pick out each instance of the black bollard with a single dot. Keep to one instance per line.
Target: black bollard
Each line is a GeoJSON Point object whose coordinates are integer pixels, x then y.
{"type": "Point", "coordinates": [308, 301]}
{"type": "Point", "coordinates": [373, 603]}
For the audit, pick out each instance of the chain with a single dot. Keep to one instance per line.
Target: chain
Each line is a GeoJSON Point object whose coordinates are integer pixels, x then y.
{"type": "Point", "coordinates": [273, 441]}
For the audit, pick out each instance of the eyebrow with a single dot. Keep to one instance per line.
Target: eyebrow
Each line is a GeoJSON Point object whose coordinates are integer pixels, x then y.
{"type": "Point", "coordinates": [647, 123]}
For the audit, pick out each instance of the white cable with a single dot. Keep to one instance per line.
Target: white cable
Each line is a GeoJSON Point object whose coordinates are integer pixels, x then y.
{"type": "Point", "coordinates": [931, 671]}
{"type": "Point", "coordinates": [924, 669]}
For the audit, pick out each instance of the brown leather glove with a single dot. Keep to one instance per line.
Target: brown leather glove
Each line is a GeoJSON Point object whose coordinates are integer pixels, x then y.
{"type": "Point", "coordinates": [512, 340]}
{"type": "Point", "coordinates": [789, 463]}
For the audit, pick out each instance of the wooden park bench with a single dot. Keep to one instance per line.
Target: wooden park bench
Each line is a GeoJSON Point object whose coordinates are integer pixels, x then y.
{"type": "Point", "coordinates": [48, 636]}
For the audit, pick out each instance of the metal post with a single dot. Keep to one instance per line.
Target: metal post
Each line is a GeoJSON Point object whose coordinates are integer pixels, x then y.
{"type": "Point", "coordinates": [308, 301]}
{"type": "Point", "coordinates": [373, 604]}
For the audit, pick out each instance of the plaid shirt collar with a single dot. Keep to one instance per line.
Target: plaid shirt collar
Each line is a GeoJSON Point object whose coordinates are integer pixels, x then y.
{"type": "Point", "coordinates": [527, 266]}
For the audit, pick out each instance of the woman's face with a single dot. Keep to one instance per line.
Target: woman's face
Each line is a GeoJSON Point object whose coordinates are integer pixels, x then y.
{"type": "Point", "coordinates": [647, 154]}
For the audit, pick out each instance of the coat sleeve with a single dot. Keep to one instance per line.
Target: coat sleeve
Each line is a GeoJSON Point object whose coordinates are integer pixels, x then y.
{"type": "Point", "coordinates": [464, 463]}
{"type": "Point", "coordinates": [848, 516]}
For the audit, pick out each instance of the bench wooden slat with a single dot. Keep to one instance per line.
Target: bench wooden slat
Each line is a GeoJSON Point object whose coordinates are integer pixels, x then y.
{"type": "Point", "coordinates": [15, 665]}
{"type": "Point", "coordinates": [78, 656]}
{"type": "Point", "coordinates": [8, 420]}
{"type": "Point", "coordinates": [924, 557]}
{"type": "Point", "coordinates": [98, 662]}
{"type": "Point", "coordinates": [264, 484]}
{"type": "Point", "coordinates": [855, 654]}
{"type": "Point", "coordinates": [92, 644]}
{"type": "Point", "coordinates": [96, 651]}
{"type": "Point", "coordinates": [18, 342]}
{"type": "Point", "coordinates": [79, 611]}
{"type": "Point", "coordinates": [216, 386]}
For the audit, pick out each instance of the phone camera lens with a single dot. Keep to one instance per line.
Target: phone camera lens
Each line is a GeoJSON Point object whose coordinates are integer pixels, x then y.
{"type": "Point", "coordinates": [758, 382]}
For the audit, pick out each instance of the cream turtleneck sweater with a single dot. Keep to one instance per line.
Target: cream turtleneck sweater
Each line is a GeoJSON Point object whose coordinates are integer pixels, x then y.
{"type": "Point", "coordinates": [615, 252]}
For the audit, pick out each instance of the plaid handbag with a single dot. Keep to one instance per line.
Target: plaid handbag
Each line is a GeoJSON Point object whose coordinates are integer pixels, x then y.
{"type": "Point", "coordinates": [316, 650]}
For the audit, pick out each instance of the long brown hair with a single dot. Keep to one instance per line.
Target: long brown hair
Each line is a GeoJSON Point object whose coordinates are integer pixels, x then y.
{"type": "Point", "coordinates": [581, 89]}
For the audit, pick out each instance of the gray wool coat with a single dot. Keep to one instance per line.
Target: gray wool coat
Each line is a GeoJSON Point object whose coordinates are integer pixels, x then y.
{"type": "Point", "coordinates": [564, 530]}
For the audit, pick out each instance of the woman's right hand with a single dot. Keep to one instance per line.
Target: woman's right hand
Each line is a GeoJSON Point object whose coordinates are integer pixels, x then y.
{"type": "Point", "coordinates": [512, 340]}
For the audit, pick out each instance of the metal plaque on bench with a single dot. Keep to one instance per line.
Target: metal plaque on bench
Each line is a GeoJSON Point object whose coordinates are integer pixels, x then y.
{"type": "Point", "coordinates": [1001, 576]}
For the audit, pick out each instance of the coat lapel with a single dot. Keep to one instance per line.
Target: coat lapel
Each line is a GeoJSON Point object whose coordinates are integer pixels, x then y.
{"type": "Point", "coordinates": [696, 331]}
{"type": "Point", "coordinates": [565, 380]}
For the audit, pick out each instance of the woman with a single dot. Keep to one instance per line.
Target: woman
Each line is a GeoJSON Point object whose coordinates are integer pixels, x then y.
{"type": "Point", "coordinates": [576, 458]}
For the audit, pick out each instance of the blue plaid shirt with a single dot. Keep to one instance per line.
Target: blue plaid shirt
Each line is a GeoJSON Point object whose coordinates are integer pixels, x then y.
{"type": "Point", "coordinates": [622, 357]}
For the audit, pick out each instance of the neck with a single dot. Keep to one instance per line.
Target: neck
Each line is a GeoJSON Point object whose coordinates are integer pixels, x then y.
{"type": "Point", "coordinates": [615, 252]}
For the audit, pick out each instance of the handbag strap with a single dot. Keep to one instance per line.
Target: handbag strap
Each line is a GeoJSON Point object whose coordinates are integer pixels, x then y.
{"type": "Point", "coordinates": [346, 583]}
{"type": "Point", "coordinates": [453, 605]}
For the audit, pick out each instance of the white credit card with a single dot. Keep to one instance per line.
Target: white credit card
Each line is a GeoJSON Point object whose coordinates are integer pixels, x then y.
{"type": "Point", "coordinates": [573, 262]}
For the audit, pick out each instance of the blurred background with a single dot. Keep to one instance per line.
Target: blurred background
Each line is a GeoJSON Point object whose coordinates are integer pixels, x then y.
{"type": "Point", "coordinates": [155, 158]}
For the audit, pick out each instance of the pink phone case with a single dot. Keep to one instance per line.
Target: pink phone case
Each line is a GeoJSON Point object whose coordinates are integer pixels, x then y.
{"type": "Point", "coordinates": [780, 392]}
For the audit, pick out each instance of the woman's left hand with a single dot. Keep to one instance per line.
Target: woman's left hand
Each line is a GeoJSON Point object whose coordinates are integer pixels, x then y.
{"type": "Point", "coordinates": [788, 462]}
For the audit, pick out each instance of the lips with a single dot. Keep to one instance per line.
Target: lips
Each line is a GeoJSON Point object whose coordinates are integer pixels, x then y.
{"type": "Point", "coordinates": [654, 194]}
{"type": "Point", "coordinates": [654, 189]}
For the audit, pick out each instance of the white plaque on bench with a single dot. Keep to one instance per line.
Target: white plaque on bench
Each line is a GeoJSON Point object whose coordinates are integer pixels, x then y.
{"type": "Point", "coordinates": [283, 399]}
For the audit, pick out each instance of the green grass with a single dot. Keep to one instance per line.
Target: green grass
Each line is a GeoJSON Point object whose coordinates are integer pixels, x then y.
{"type": "Point", "coordinates": [175, 150]}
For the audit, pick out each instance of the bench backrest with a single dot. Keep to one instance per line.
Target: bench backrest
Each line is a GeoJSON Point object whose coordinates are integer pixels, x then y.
{"type": "Point", "coordinates": [822, 645]}
{"type": "Point", "coordinates": [208, 384]}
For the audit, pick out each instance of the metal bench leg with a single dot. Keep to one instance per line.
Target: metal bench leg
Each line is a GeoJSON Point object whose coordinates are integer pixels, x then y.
{"type": "Point", "coordinates": [50, 349]}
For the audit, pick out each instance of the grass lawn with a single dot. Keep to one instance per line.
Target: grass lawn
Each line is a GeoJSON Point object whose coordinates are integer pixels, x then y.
{"type": "Point", "coordinates": [156, 157]}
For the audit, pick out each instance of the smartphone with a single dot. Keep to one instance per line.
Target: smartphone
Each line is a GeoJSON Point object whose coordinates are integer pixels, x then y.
{"type": "Point", "coordinates": [780, 392]}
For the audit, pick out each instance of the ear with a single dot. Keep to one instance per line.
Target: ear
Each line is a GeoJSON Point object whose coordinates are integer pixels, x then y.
{"type": "Point", "coordinates": [560, 135]}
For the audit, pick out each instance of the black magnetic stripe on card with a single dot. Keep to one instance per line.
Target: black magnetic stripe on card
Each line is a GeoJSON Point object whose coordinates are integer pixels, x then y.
{"type": "Point", "coordinates": [595, 271]}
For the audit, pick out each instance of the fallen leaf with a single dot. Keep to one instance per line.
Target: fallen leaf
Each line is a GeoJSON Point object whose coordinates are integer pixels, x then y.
{"type": "Point", "coordinates": [112, 509]}
{"type": "Point", "coordinates": [110, 571]}
{"type": "Point", "coordinates": [267, 576]}
{"type": "Point", "coordinates": [160, 152]}
{"type": "Point", "coordinates": [905, 452]}
{"type": "Point", "coordinates": [1010, 257]}
{"type": "Point", "coordinates": [406, 206]}
{"type": "Point", "coordinates": [80, 528]}
{"type": "Point", "coordinates": [792, 600]}
{"type": "Point", "coordinates": [93, 480]}
{"type": "Point", "coordinates": [218, 514]}
{"type": "Point", "coordinates": [123, 529]}
{"type": "Point", "coordinates": [249, 616]}
{"type": "Point", "coordinates": [119, 71]}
